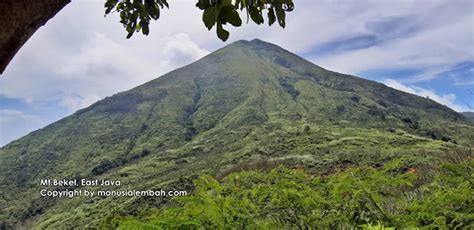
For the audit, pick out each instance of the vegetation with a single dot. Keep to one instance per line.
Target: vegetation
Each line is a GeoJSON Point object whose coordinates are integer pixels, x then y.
{"type": "Point", "coordinates": [135, 15]}
{"type": "Point", "coordinates": [249, 106]}
{"type": "Point", "coordinates": [469, 115]}
{"type": "Point", "coordinates": [406, 192]}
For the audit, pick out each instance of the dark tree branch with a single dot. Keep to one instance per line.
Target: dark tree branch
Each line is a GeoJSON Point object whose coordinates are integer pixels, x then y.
{"type": "Point", "coordinates": [19, 19]}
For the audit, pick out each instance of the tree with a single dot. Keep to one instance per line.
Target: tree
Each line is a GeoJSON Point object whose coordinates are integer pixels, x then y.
{"type": "Point", "coordinates": [135, 15]}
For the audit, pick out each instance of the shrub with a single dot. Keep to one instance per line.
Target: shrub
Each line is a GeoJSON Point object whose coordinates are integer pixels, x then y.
{"type": "Point", "coordinates": [104, 166]}
{"type": "Point", "coordinates": [399, 194]}
{"type": "Point", "coordinates": [262, 164]}
{"type": "Point", "coordinates": [355, 99]}
{"type": "Point", "coordinates": [145, 152]}
{"type": "Point", "coordinates": [340, 109]}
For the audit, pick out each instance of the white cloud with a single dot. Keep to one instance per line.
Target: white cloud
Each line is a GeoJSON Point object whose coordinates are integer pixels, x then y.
{"type": "Point", "coordinates": [437, 44]}
{"type": "Point", "coordinates": [92, 59]}
{"type": "Point", "coordinates": [101, 56]}
{"type": "Point", "coordinates": [444, 99]}
{"type": "Point", "coordinates": [14, 124]}
{"type": "Point", "coordinates": [10, 115]}
{"type": "Point", "coordinates": [75, 102]}
{"type": "Point", "coordinates": [462, 83]}
{"type": "Point", "coordinates": [181, 49]}
{"type": "Point", "coordinates": [103, 66]}
{"type": "Point", "coordinates": [440, 39]}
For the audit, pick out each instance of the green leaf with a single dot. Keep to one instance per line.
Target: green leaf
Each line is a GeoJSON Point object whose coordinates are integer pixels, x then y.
{"type": "Point", "coordinates": [111, 3]}
{"type": "Point", "coordinates": [271, 16]}
{"type": "Point", "coordinates": [209, 17]}
{"type": "Point", "coordinates": [165, 3]}
{"type": "Point", "coordinates": [221, 32]}
{"type": "Point", "coordinates": [145, 29]}
{"type": "Point", "coordinates": [107, 11]}
{"type": "Point", "coordinates": [202, 4]}
{"type": "Point", "coordinates": [154, 11]}
{"type": "Point", "coordinates": [226, 3]}
{"type": "Point", "coordinates": [256, 14]}
{"type": "Point", "coordinates": [130, 33]}
{"type": "Point", "coordinates": [231, 15]}
{"type": "Point", "coordinates": [280, 15]}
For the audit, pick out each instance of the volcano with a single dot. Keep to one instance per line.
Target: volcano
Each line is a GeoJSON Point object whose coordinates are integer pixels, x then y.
{"type": "Point", "coordinates": [248, 100]}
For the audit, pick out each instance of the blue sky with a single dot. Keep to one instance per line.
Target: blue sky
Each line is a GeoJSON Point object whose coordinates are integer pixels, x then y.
{"type": "Point", "coordinates": [423, 47]}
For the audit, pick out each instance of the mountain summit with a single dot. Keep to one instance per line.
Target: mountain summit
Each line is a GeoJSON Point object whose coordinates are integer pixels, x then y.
{"type": "Point", "coordinates": [247, 100]}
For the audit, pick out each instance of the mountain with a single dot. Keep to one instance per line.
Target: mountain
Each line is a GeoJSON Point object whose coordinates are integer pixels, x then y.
{"type": "Point", "coordinates": [246, 101]}
{"type": "Point", "coordinates": [469, 115]}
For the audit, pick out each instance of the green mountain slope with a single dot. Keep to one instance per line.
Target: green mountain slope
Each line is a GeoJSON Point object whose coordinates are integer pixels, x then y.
{"type": "Point", "coordinates": [469, 115]}
{"type": "Point", "coordinates": [246, 101]}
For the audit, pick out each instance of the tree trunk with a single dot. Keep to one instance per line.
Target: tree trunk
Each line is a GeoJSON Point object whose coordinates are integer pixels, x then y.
{"type": "Point", "coordinates": [19, 19]}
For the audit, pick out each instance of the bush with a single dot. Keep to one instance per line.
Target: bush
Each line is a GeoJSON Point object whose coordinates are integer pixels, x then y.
{"type": "Point", "coordinates": [263, 164]}
{"type": "Point", "coordinates": [360, 196]}
{"type": "Point", "coordinates": [306, 129]}
{"type": "Point", "coordinates": [289, 88]}
{"type": "Point", "coordinates": [104, 166]}
{"type": "Point", "coordinates": [145, 152]}
{"type": "Point", "coordinates": [355, 99]}
{"type": "Point", "coordinates": [340, 109]}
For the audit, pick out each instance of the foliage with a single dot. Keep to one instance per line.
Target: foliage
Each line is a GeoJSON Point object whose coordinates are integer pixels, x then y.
{"type": "Point", "coordinates": [135, 15]}
{"type": "Point", "coordinates": [469, 115]}
{"type": "Point", "coordinates": [361, 196]}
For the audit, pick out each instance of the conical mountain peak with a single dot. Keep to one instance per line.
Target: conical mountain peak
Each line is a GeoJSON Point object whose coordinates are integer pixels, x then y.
{"type": "Point", "coordinates": [255, 45]}
{"type": "Point", "coordinates": [255, 42]}
{"type": "Point", "coordinates": [256, 54]}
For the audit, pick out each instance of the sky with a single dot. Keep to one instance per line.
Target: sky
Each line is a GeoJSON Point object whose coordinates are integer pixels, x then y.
{"type": "Point", "coordinates": [423, 47]}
